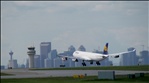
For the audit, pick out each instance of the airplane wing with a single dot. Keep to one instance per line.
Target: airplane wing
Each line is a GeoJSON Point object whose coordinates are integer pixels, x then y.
{"type": "Point", "coordinates": [66, 57]}
{"type": "Point", "coordinates": [116, 55]}
{"type": "Point", "coordinates": [73, 58]}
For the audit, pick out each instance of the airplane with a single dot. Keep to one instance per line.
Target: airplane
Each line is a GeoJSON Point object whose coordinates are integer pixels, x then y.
{"type": "Point", "coordinates": [89, 56]}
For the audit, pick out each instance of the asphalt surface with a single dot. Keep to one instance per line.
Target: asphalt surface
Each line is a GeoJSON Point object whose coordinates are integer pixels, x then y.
{"type": "Point", "coordinates": [25, 73]}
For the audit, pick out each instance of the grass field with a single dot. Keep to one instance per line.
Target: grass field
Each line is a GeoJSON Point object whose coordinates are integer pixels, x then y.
{"type": "Point", "coordinates": [5, 74]}
{"type": "Point", "coordinates": [88, 79]}
{"type": "Point", "coordinates": [138, 68]}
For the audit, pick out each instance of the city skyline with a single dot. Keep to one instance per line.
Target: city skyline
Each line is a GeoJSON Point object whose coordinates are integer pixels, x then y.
{"type": "Point", "coordinates": [64, 23]}
{"type": "Point", "coordinates": [53, 61]}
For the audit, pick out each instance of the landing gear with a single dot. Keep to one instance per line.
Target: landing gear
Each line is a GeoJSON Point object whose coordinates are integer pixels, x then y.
{"type": "Point", "coordinates": [83, 63]}
{"type": "Point", "coordinates": [91, 62]}
{"type": "Point", "coordinates": [97, 62]}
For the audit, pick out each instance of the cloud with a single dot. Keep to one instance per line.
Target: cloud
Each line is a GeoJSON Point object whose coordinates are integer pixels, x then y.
{"type": "Point", "coordinates": [134, 36]}
{"type": "Point", "coordinates": [24, 3]}
{"type": "Point", "coordinates": [71, 23]}
{"type": "Point", "coordinates": [131, 11]}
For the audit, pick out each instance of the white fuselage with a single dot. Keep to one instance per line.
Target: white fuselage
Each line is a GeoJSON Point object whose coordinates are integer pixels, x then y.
{"type": "Point", "coordinates": [88, 56]}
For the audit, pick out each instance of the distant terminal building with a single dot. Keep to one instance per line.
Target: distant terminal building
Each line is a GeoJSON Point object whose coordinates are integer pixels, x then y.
{"type": "Point", "coordinates": [145, 57]}
{"type": "Point", "coordinates": [45, 48]}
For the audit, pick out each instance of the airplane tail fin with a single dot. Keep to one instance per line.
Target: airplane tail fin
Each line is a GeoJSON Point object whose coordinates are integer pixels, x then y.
{"type": "Point", "coordinates": [105, 51]}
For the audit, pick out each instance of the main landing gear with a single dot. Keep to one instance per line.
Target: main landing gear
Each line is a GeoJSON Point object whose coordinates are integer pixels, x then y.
{"type": "Point", "coordinates": [83, 63]}
{"type": "Point", "coordinates": [97, 62]}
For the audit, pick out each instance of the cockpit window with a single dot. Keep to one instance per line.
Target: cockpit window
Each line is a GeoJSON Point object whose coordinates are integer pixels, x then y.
{"type": "Point", "coordinates": [77, 52]}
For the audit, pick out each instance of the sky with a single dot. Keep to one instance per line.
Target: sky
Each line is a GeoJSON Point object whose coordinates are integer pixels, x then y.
{"type": "Point", "coordinates": [122, 24]}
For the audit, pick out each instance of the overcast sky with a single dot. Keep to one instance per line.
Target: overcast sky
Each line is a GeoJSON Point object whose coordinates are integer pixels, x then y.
{"type": "Point", "coordinates": [123, 24]}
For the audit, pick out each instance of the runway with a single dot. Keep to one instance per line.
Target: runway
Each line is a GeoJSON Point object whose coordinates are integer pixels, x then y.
{"type": "Point", "coordinates": [25, 73]}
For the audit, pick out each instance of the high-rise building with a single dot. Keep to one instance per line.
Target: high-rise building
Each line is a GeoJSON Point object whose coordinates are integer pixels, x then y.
{"type": "Point", "coordinates": [52, 55]}
{"type": "Point", "coordinates": [71, 49]}
{"type": "Point", "coordinates": [45, 48]}
{"type": "Point", "coordinates": [47, 63]}
{"type": "Point", "coordinates": [27, 63]}
{"type": "Point", "coordinates": [69, 62]}
{"type": "Point", "coordinates": [37, 61]}
{"type": "Point", "coordinates": [145, 57]}
{"type": "Point", "coordinates": [81, 48]}
{"type": "Point", "coordinates": [57, 62]}
{"type": "Point", "coordinates": [129, 59]}
{"type": "Point", "coordinates": [124, 60]}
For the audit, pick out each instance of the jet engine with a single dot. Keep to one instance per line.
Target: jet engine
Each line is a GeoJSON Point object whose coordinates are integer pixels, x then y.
{"type": "Point", "coordinates": [75, 60]}
{"type": "Point", "coordinates": [64, 58]}
{"type": "Point", "coordinates": [117, 56]}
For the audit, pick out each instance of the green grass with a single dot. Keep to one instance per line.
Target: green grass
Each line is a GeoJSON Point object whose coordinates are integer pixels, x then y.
{"type": "Point", "coordinates": [88, 79]}
{"type": "Point", "coordinates": [5, 74]}
{"type": "Point", "coordinates": [138, 68]}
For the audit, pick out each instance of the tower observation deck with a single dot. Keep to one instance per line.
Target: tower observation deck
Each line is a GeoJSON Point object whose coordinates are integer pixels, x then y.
{"type": "Point", "coordinates": [31, 53]}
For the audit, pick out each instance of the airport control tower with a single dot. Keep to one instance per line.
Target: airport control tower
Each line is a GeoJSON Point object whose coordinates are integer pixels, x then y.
{"type": "Point", "coordinates": [11, 53]}
{"type": "Point", "coordinates": [31, 53]}
{"type": "Point", "coordinates": [10, 61]}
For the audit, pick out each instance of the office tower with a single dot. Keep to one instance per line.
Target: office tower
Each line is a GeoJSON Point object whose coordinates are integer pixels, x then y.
{"type": "Point", "coordinates": [145, 57]}
{"type": "Point", "coordinates": [15, 64]}
{"type": "Point", "coordinates": [57, 62]}
{"type": "Point", "coordinates": [52, 55]}
{"type": "Point", "coordinates": [81, 48]}
{"type": "Point", "coordinates": [37, 61]}
{"type": "Point", "coordinates": [47, 63]}
{"type": "Point", "coordinates": [31, 53]}
{"type": "Point", "coordinates": [27, 63]}
{"type": "Point", "coordinates": [71, 63]}
{"type": "Point", "coordinates": [45, 48]}
{"type": "Point", "coordinates": [71, 49]}
{"type": "Point", "coordinates": [128, 59]}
